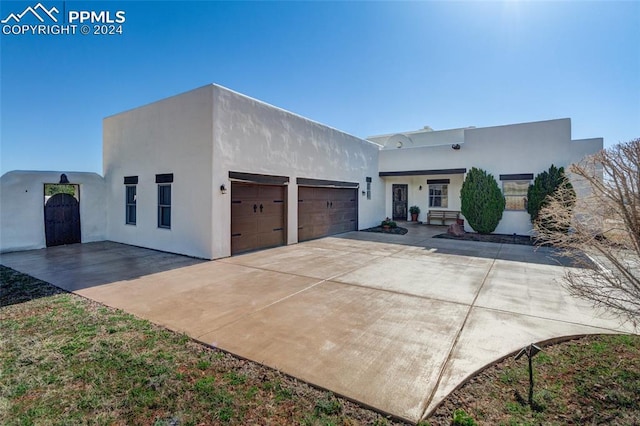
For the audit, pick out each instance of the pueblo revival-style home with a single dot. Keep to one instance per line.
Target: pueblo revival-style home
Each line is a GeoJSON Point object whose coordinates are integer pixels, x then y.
{"type": "Point", "coordinates": [210, 173]}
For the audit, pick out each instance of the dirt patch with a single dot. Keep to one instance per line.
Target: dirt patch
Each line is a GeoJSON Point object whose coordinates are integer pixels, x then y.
{"type": "Point", "coordinates": [398, 230]}
{"type": "Point", "coordinates": [490, 238]}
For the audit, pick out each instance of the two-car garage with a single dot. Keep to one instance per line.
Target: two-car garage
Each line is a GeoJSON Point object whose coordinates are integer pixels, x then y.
{"type": "Point", "coordinates": [259, 210]}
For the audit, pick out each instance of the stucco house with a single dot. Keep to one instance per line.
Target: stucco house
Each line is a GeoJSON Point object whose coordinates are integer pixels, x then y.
{"type": "Point", "coordinates": [211, 173]}
{"type": "Point", "coordinates": [427, 168]}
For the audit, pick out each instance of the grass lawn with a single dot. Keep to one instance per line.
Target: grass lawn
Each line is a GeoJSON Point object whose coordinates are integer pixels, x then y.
{"type": "Point", "coordinates": [594, 380]}
{"type": "Point", "coordinates": [67, 360]}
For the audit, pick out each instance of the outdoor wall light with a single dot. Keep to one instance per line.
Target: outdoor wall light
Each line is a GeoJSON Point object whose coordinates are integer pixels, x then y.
{"type": "Point", "coordinates": [420, 188]}
{"type": "Point", "coordinates": [364, 193]}
{"type": "Point", "coordinates": [63, 179]}
{"type": "Point", "coordinates": [456, 146]}
{"type": "Point", "coordinates": [223, 189]}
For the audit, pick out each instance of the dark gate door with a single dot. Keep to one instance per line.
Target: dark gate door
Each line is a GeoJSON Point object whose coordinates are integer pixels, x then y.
{"type": "Point", "coordinates": [399, 202]}
{"type": "Point", "coordinates": [62, 220]}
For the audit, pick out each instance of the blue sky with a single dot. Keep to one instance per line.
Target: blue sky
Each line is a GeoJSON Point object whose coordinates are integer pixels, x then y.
{"type": "Point", "coordinates": [363, 67]}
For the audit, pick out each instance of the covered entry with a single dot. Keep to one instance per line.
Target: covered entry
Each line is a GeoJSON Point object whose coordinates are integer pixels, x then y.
{"type": "Point", "coordinates": [257, 212]}
{"type": "Point", "coordinates": [326, 208]}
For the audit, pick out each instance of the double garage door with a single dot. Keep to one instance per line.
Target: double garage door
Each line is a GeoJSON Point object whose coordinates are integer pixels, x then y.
{"type": "Point", "coordinates": [326, 211]}
{"type": "Point", "coordinates": [258, 214]}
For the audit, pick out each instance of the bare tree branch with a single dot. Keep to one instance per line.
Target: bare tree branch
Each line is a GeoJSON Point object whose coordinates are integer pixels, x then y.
{"type": "Point", "coordinates": [604, 229]}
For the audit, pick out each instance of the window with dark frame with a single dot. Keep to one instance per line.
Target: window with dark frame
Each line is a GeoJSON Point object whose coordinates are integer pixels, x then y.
{"type": "Point", "coordinates": [515, 194]}
{"type": "Point", "coordinates": [438, 195]}
{"type": "Point", "coordinates": [515, 188]}
{"type": "Point", "coordinates": [164, 206]}
{"type": "Point", "coordinates": [131, 204]}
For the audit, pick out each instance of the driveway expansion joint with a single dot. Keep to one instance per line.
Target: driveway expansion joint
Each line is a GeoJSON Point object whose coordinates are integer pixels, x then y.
{"type": "Point", "coordinates": [447, 361]}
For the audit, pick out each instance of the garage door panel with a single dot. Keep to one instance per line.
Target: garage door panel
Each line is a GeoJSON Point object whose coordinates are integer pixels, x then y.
{"type": "Point", "coordinates": [326, 211]}
{"type": "Point", "coordinates": [244, 192]}
{"type": "Point", "coordinates": [270, 192]}
{"type": "Point", "coordinates": [271, 239]}
{"type": "Point", "coordinates": [244, 225]}
{"type": "Point", "coordinates": [271, 208]}
{"type": "Point", "coordinates": [240, 243]}
{"type": "Point", "coordinates": [243, 207]}
{"type": "Point", "coordinates": [269, 224]}
{"type": "Point", "coordinates": [257, 216]}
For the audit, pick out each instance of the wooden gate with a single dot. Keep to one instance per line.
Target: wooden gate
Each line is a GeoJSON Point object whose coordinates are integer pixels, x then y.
{"type": "Point", "coordinates": [62, 220]}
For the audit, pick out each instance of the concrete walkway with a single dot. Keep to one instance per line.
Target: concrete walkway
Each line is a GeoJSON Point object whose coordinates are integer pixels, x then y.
{"type": "Point", "coordinates": [394, 322]}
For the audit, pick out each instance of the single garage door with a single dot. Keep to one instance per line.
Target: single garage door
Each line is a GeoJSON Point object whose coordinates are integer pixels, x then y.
{"type": "Point", "coordinates": [326, 211]}
{"type": "Point", "coordinates": [257, 216]}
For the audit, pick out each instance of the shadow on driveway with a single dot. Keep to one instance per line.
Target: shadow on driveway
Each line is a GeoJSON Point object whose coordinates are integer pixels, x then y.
{"type": "Point", "coordinates": [79, 266]}
{"type": "Point", "coordinates": [425, 236]}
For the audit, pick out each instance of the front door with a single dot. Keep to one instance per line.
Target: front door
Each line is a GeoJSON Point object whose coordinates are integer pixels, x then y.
{"type": "Point", "coordinates": [62, 220]}
{"type": "Point", "coordinates": [399, 202]}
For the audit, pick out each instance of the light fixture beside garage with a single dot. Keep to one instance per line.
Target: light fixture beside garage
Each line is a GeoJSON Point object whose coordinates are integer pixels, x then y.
{"type": "Point", "coordinates": [223, 189]}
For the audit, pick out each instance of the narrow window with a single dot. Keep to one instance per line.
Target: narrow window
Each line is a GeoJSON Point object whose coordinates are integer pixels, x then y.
{"type": "Point", "coordinates": [515, 194]}
{"type": "Point", "coordinates": [164, 206]}
{"type": "Point", "coordinates": [368, 188]}
{"type": "Point", "coordinates": [438, 195]}
{"type": "Point", "coordinates": [130, 209]}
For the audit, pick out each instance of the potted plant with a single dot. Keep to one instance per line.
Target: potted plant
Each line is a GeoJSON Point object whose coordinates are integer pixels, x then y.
{"type": "Point", "coordinates": [415, 211]}
{"type": "Point", "coordinates": [388, 224]}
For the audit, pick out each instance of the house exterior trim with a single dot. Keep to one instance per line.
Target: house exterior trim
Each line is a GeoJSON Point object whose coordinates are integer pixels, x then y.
{"type": "Point", "coordinates": [521, 176]}
{"type": "Point", "coordinates": [257, 178]}
{"type": "Point", "coordinates": [326, 183]}
{"type": "Point", "coordinates": [425, 172]}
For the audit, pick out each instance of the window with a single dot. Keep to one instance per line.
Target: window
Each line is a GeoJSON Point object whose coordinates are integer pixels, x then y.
{"type": "Point", "coordinates": [130, 203]}
{"type": "Point", "coordinates": [164, 206]}
{"type": "Point", "coordinates": [515, 194]}
{"type": "Point", "coordinates": [438, 195]}
{"type": "Point", "coordinates": [368, 188]}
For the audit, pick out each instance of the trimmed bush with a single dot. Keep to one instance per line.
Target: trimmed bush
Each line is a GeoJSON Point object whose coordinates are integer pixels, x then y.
{"type": "Point", "coordinates": [482, 201]}
{"type": "Point", "coordinates": [545, 184]}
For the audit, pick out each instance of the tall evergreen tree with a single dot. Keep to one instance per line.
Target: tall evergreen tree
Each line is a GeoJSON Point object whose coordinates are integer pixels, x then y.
{"type": "Point", "coordinates": [544, 185]}
{"type": "Point", "coordinates": [482, 201]}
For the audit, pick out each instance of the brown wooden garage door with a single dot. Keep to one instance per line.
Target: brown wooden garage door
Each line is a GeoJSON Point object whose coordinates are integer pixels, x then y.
{"type": "Point", "coordinates": [257, 216]}
{"type": "Point", "coordinates": [326, 211]}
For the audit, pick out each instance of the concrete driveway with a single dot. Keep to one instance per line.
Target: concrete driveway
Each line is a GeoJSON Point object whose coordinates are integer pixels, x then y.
{"type": "Point", "coordinates": [394, 322]}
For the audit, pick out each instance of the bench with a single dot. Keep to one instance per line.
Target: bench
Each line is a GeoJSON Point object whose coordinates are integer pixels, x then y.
{"type": "Point", "coordinates": [442, 215]}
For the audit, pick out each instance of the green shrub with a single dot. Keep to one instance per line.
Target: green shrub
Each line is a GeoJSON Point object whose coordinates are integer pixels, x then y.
{"type": "Point", "coordinates": [461, 418]}
{"type": "Point", "coordinates": [388, 222]}
{"type": "Point", "coordinates": [482, 201]}
{"type": "Point", "coordinates": [545, 184]}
